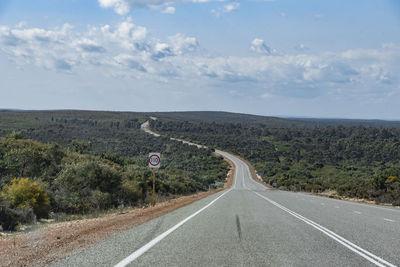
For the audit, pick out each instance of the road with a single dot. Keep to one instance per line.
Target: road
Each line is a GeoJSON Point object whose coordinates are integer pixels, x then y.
{"type": "Point", "coordinates": [250, 225]}
{"type": "Point", "coordinates": [146, 128]}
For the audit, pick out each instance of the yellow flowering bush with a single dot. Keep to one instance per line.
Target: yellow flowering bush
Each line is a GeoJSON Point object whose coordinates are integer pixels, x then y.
{"type": "Point", "coordinates": [22, 193]}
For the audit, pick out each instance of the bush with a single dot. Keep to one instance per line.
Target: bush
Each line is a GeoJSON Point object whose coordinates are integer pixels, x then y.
{"type": "Point", "coordinates": [87, 185]}
{"type": "Point", "coordinates": [217, 185]}
{"type": "Point", "coordinates": [11, 218]}
{"type": "Point", "coordinates": [100, 200]}
{"type": "Point", "coordinates": [131, 191]}
{"type": "Point", "coordinates": [21, 194]}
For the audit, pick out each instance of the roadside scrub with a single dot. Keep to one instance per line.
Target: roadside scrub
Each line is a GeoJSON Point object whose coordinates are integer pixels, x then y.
{"type": "Point", "coordinates": [53, 182]}
{"type": "Point", "coordinates": [58, 240]}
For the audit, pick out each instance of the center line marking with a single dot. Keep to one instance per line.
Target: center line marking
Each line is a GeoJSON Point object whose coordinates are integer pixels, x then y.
{"type": "Point", "coordinates": [389, 220]}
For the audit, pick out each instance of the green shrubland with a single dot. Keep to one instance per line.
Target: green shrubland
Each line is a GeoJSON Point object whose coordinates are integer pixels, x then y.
{"type": "Point", "coordinates": [354, 161]}
{"type": "Point", "coordinates": [80, 178]}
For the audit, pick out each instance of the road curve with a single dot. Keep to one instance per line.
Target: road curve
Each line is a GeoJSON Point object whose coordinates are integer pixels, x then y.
{"type": "Point", "coordinates": [250, 225]}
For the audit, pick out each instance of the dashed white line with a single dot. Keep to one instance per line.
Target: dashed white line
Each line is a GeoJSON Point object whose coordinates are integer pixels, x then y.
{"type": "Point", "coordinates": [364, 205]}
{"type": "Point", "coordinates": [337, 207]}
{"type": "Point", "coordinates": [357, 212]}
{"type": "Point", "coordinates": [388, 220]}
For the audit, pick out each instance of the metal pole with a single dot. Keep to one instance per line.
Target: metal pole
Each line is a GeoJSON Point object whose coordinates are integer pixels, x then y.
{"type": "Point", "coordinates": [154, 186]}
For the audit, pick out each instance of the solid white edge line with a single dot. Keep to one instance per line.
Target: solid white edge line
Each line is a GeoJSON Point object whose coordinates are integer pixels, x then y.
{"type": "Point", "coordinates": [360, 251]}
{"type": "Point", "coordinates": [153, 242]}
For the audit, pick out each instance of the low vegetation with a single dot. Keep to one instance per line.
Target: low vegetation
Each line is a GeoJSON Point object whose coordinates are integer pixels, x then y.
{"type": "Point", "coordinates": [85, 167]}
{"type": "Point", "coordinates": [353, 161]}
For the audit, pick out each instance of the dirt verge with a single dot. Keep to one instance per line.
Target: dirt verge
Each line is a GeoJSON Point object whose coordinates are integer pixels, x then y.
{"type": "Point", "coordinates": [231, 173]}
{"type": "Point", "coordinates": [56, 241]}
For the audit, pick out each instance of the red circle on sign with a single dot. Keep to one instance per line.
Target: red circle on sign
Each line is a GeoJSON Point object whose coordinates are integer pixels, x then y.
{"type": "Point", "coordinates": [157, 160]}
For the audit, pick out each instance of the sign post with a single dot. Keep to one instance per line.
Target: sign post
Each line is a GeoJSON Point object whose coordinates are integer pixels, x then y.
{"type": "Point", "coordinates": [154, 163]}
{"type": "Point", "coordinates": [153, 202]}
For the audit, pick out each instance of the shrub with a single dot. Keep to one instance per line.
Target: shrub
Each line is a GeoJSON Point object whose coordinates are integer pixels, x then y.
{"type": "Point", "coordinates": [100, 200]}
{"type": "Point", "coordinates": [21, 193]}
{"type": "Point", "coordinates": [87, 185]}
{"type": "Point", "coordinates": [11, 218]}
{"type": "Point", "coordinates": [131, 191]}
{"type": "Point", "coordinates": [16, 135]}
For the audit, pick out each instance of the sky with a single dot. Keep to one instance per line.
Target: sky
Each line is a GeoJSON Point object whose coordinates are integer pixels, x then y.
{"type": "Point", "coordinates": [309, 58]}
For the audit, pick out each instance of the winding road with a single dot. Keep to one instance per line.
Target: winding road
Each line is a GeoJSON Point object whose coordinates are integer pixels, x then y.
{"type": "Point", "coordinates": [250, 225]}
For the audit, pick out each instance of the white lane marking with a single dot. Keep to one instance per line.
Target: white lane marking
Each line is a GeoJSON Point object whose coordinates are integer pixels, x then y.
{"type": "Point", "coordinates": [235, 177]}
{"type": "Point", "coordinates": [349, 202]}
{"type": "Point", "coordinates": [323, 204]}
{"type": "Point", "coordinates": [242, 172]}
{"type": "Point", "coordinates": [153, 242]}
{"type": "Point", "coordinates": [388, 220]}
{"type": "Point", "coordinates": [244, 182]}
{"type": "Point", "coordinates": [358, 212]}
{"type": "Point", "coordinates": [353, 247]}
{"type": "Point", "coordinates": [253, 183]}
{"type": "Point", "coordinates": [336, 207]}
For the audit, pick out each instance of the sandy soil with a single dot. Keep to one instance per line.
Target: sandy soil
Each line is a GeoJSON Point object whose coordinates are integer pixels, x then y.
{"type": "Point", "coordinates": [56, 241]}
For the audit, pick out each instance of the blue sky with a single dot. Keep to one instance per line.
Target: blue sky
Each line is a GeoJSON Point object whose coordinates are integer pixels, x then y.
{"type": "Point", "coordinates": [290, 58]}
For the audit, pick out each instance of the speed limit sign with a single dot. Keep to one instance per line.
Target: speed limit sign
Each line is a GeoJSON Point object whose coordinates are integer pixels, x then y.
{"type": "Point", "coordinates": [154, 160]}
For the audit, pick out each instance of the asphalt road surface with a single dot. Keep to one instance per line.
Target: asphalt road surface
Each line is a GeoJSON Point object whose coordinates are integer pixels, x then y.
{"type": "Point", "coordinates": [250, 225]}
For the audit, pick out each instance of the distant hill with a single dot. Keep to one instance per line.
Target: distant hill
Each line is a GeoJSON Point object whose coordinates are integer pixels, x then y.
{"type": "Point", "coordinates": [273, 122]}
{"type": "Point", "coordinates": [26, 118]}
{"type": "Point", "coordinates": [229, 117]}
{"type": "Point", "coordinates": [354, 122]}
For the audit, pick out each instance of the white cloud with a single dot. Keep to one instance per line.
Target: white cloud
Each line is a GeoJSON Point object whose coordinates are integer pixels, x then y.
{"type": "Point", "coordinates": [230, 7]}
{"type": "Point", "coordinates": [301, 47]}
{"type": "Point", "coordinates": [266, 96]}
{"type": "Point", "coordinates": [21, 24]}
{"type": "Point", "coordinates": [181, 43]}
{"type": "Point", "coordinates": [259, 46]}
{"type": "Point", "coordinates": [168, 10]}
{"type": "Point", "coordinates": [123, 45]}
{"type": "Point", "coordinates": [225, 9]}
{"type": "Point", "coordinates": [126, 49]}
{"type": "Point", "coordinates": [122, 7]}
{"type": "Point", "coordinates": [131, 62]}
{"type": "Point", "coordinates": [87, 45]}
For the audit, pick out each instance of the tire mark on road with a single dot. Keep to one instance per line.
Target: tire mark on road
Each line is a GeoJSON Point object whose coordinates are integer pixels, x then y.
{"type": "Point", "coordinates": [238, 228]}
